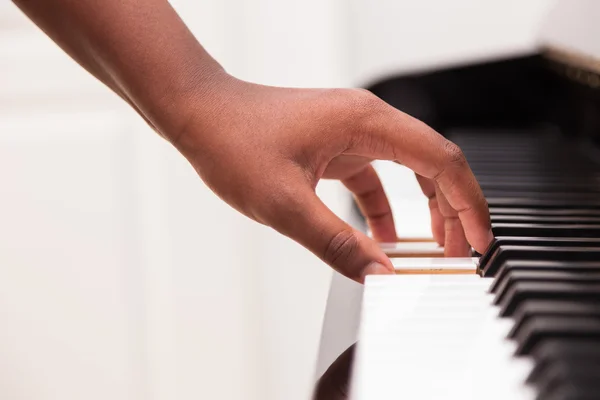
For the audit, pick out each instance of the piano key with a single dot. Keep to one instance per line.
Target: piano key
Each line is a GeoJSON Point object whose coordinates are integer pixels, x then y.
{"type": "Point", "coordinates": [546, 230]}
{"type": "Point", "coordinates": [526, 178]}
{"type": "Point", "coordinates": [564, 276]}
{"type": "Point", "coordinates": [563, 375]}
{"type": "Point", "coordinates": [425, 265]}
{"type": "Point", "coordinates": [567, 190]}
{"type": "Point", "coordinates": [577, 212]}
{"type": "Point", "coordinates": [521, 202]}
{"type": "Point", "coordinates": [536, 241]}
{"type": "Point", "coordinates": [549, 351]}
{"type": "Point", "coordinates": [552, 307]}
{"type": "Point", "coordinates": [537, 328]}
{"type": "Point", "coordinates": [542, 253]}
{"type": "Point", "coordinates": [522, 291]}
{"type": "Point", "coordinates": [415, 239]}
{"type": "Point", "coordinates": [412, 249]}
{"type": "Point", "coordinates": [557, 197]}
{"type": "Point", "coordinates": [535, 265]}
{"type": "Point", "coordinates": [403, 316]}
{"type": "Point", "coordinates": [545, 219]}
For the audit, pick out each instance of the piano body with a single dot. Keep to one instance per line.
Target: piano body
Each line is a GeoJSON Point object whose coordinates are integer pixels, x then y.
{"type": "Point", "coordinates": [523, 320]}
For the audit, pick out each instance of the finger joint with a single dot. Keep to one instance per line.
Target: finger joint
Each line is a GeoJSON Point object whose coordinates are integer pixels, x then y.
{"type": "Point", "coordinates": [341, 247]}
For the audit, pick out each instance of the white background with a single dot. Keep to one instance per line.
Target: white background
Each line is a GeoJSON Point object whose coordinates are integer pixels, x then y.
{"type": "Point", "coordinates": [121, 275]}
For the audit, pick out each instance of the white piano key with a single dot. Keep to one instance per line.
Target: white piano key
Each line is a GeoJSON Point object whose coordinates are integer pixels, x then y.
{"type": "Point", "coordinates": [413, 249]}
{"type": "Point", "coordinates": [435, 337]}
{"type": "Point", "coordinates": [435, 265]}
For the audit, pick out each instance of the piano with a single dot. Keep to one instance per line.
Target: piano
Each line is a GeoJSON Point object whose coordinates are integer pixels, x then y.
{"type": "Point", "coordinates": [521, 320]}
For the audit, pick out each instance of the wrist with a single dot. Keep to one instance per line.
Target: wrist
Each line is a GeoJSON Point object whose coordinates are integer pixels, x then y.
{"type": "Point", "coordinates": [202, 110]}
{"type": "Point", "coordinates": [187, 93]}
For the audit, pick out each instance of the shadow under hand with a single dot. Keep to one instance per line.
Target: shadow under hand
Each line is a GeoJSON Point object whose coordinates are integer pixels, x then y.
{"type": "Point", "coordinates": [335, 382]}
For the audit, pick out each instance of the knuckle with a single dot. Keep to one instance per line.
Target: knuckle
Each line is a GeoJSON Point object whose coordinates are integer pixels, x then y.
{"type": "Point", "coordinates": [364, 100]}
{"type": "Point", "coordinates": [341, 248]}
{"type": "Point", "coordinates": [366, 115]}
{"type": "Point", "coordinates": [356, 102]}
{"type": "Point", "coordinates": [453, 155]}
{"type": "Point", "coordinates": [355, 114]}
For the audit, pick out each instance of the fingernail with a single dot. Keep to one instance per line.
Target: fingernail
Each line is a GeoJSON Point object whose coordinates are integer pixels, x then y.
{"type": "Point", "coordinates": [376, 268]}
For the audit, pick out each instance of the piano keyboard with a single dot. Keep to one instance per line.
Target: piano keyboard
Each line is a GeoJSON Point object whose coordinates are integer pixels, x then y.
{"type": "Point", "coordinates": [520, 322]}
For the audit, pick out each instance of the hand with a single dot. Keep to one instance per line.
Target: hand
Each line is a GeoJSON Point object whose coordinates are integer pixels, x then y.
{"type": "Point", "coordinates": [263, 150]}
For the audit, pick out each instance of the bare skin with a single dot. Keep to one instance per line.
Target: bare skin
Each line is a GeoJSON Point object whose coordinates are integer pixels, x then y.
{"type": "Point", "coordinates": [263, 149]}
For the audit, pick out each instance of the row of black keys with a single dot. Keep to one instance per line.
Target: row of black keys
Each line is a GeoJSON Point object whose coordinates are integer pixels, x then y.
{"type": "Point", "coordinates": [553, 296]}
{"type": "Point", "coordinates": [552, 293]}
{"type": "Point", "coordinates": [545, 209]}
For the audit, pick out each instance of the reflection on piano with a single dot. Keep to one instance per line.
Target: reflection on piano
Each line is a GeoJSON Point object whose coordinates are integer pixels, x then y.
{"type": "Point", "coordinates": [523, 320]}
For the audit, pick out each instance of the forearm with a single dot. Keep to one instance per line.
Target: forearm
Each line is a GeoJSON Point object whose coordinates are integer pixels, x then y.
{"type": "Point", "coordinates": [141, 49]}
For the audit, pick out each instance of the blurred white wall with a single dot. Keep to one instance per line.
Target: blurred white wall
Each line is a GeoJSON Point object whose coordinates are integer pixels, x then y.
{"type": "Point", "coordinates": [121, 275]}
{"type": "Point", "coordinates": [401, 36]}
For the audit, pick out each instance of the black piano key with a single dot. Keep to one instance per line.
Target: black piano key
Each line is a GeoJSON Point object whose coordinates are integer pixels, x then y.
{"type": "Point", "coordinates": [515, 277]}
{"type": "Point", "coordinates": [558, 196]}
{"type": "Point", "coordinates": [557, 308]}
{"type": "Point", "coordinates": [533, 265]}
{"type": "Point", "coordinates": [522, 291]}
{"type": "Point", "coordinates": [541, 253]}
{"type": "Point", "coordinates": [553, 347]}
{"type": "Point", "coordinates": [538, 328]}
{"type": "Point", "coordinates": [577, 212]}
{"type": "Point", "coordinates": [546, 230]}
{"type": "Point", "coordinates": [532, 189]}
{"type": "Point", "coordinates": [535, 176]}
{"type": "Point", "coordinates": [549, 351]}
{"type": "Point", "coordinates": [520, 202]}
{"type": "Point", "coordinates": [541, 373]}
{"type": "Point", "coordinates": [564, 375]}
{"type": "Point", "coordinates": [536, 241]}
{"type": "Point", "coordinates": [570, 393]}
{"type": "Point", "coordinates": [544, 219]}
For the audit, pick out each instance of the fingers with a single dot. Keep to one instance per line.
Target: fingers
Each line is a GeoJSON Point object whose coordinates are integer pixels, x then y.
{"type": "Point", "coordinates": [456, 244]}
{"type": "Point", "coordinates": [373, 203]}
{"type": "Point", "coordinates": [437, 219]}
{"type": "Point", "coordinates": [303, 217]}
{"type": "Point", "coordinates": [445, 224]}
{"type": "Point", "coordinates": [386, 133]}
{"type": "Point", "coordinates": [462, 192]}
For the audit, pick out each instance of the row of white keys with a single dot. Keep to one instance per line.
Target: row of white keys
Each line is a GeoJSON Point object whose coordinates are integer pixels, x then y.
{"type": "Point", "coordinates": [434, 337]}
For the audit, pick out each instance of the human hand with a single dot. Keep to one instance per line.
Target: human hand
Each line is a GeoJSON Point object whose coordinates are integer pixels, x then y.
{"type": "Point", "coordinates": [263, 150]}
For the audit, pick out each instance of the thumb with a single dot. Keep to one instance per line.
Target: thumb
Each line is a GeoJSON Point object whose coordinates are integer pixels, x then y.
{"type": "Point", "coordinates": [350, 252]}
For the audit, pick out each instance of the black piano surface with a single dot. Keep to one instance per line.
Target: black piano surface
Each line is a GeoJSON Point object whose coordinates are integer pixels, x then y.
{"type": "Point", "coordinates": [530, 129]}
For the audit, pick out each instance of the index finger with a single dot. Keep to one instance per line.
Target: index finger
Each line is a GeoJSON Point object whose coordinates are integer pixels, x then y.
{"type": "Point", "coordinates": [389, 134]}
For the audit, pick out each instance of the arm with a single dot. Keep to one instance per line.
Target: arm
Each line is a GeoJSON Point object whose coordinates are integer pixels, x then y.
{"type": "Point", "coordinates": [139, 48]}
{"type": "Point", "coordinates": [263, 149]}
